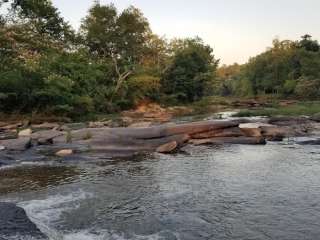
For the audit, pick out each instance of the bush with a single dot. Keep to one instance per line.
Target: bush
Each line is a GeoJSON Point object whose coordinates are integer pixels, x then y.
{"type": "Point", "coordinates": [308, 88]}
{"type": "Point", "coordinates": [83, 105]}
{"type": "Point", "coordinates": [143, 86]}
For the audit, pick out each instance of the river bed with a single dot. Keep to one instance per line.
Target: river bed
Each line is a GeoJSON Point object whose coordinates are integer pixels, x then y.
{"type": "Point", "coordinates": [223, 192]}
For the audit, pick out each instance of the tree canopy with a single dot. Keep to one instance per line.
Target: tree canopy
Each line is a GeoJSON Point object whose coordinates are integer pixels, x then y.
{"type": "Point", "coordinates": [115, 60]}
{"type": "Point", "coordinates": [282, 69]}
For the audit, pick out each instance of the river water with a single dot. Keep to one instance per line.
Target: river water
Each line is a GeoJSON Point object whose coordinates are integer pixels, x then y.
{"type": "Point", "coordinates": [226, 192]}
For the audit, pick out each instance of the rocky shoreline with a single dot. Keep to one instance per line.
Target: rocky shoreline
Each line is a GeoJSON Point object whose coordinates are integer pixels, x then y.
{"type": "Point", "coordinates": [52, 139]}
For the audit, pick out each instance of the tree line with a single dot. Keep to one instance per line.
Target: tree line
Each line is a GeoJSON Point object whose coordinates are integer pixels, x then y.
{"type": "Point", "coordinates": [114, 60]}
{"type": "Point", "coordinates": [287, 69]}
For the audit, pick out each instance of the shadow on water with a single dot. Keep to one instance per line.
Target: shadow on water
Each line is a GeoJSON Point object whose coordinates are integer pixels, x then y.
{"type": "Point", "coordinates": [29, 178]}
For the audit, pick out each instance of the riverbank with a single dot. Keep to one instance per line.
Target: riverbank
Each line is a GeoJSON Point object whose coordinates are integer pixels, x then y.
{"type": "Point", "coordinates": [53, 141]}
{"type": "Point", "coordinates": [245, 107]}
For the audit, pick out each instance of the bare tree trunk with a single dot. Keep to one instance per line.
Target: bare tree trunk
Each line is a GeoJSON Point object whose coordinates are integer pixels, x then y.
{"type": "Point", "coordinates": [121, 77]}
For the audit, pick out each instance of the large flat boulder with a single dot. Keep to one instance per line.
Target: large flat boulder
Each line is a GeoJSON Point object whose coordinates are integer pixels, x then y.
{"type": "Point", "coordinates": [230, 140]}
{"type": "Point", "coordinates": [227, 132]}
{"type": "Point", "coordinates": [46, 136]}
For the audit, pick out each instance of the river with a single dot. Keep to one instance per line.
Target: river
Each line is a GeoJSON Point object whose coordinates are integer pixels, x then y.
{"type": "Point", "coordinates": [226, 192]}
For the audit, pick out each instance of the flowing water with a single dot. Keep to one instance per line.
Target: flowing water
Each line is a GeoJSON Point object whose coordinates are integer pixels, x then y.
{"type": "Point", "coordinates": [226, 192]}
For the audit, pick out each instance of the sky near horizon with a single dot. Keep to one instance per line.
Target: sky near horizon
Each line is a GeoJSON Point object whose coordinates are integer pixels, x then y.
{"type": "Point", "coordinates": [236, 29]}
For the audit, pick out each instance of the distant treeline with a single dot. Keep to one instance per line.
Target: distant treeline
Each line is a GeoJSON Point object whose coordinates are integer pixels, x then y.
{"type": "Point", "coordinates": [114, 60]}
{"type": "Point", "coordinates": [287, 69]}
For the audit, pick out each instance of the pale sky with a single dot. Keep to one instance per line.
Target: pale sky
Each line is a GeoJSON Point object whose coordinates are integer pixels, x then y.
{"type": "Point", "coordinates": [236, 29]}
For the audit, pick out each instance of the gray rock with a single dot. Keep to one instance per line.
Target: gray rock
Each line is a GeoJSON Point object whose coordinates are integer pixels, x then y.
{"type": "Point", "coordinates": [100, 124]}
{"type": "Point", "coordinates": [14, 222]}
{"type": "Point", "coordinates": [25, 133]}
{"type": "Point", "coordinates": [19, 144]}
{"type": "Point", "coordinates": [4, 135]}
{"type": "Point", "coordinates": [73, 126]}
{"type": "Point", "coordinates": [45, 126]}
{"type": "Point", "coordinates": [310, 142]}
{"type": "Point", "coordinates": [46, 137]}
{"type": "Point", "coordinates": [316, 117]}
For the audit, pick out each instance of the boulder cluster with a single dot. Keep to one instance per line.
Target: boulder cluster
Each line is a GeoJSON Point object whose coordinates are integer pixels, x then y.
{"type": "Point", "coordinates": [65, 140]}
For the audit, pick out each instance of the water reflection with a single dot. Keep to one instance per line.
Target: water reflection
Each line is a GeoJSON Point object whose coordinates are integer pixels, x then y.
{"type": "Point", "coordinates": [28, 178]}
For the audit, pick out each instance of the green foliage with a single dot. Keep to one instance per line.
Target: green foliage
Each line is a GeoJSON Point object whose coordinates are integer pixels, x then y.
{"type": "Point", "coordinates": [289, 87]}
{"type": "Point", "coordinates": [190, 71]}
{"type": "Point", "coordinates": [44, 17]}
{"type": "Point", "coordinates": [287, 68]}
{"type": "Point", "coordinates": [308, 88]}
{"type": "Point", "coordinates": [109, 34]}
{"type": "Point", "coordinates": [115, 61]}
{"type": "Point", "coordinates": [143, 86]}
{"type": "Point", "coordinates": [303, 108]}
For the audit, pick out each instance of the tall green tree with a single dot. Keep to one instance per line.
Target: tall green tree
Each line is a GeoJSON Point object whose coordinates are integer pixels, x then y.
{"type": "Point", "coordinates": [190, 72]}
{"type": "Point", "coordinates": [117, 38]}
{"type": "Point", "coordinates": [44, 17]}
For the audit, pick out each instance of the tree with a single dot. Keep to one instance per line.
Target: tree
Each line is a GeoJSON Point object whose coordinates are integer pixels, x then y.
{"type": "Point", "coordinates": [190, 71]}
{"type": "Point", "coordinates": [308, 88]}
{"type": "Point", "coordinates": [308, 44]}
{"type": "Point", "coordinates": [44, 17]}
{"type": "Point", "coordinates": [117, 38]}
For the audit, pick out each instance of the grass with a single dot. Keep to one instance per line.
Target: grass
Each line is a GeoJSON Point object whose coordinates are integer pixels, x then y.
{"type": "Point", "coordinates": [298, 109]}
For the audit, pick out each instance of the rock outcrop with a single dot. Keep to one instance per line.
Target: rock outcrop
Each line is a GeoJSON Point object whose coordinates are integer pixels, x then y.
{"type": "Point", "coordinates": [138, 138]}
{"type": "Point", "coordinates": [15, 224]}
{"type": "Point", "coordinates": [19, 144]}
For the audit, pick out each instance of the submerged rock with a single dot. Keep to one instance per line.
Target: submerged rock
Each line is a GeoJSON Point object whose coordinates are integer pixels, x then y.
{"type": "Point", "coordinates": [15, 224]}
{"type": "Point", "coordinates": [310, 142]}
